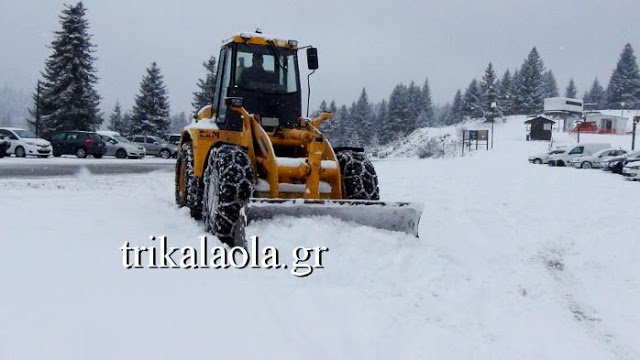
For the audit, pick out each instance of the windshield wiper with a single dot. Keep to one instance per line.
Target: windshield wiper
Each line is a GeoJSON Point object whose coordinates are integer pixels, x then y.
{"type": "Point", "coordinates": [276, 53]}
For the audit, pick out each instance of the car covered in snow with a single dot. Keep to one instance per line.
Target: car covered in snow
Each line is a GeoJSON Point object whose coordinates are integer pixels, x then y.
{"type": "Point", "coordinates": [26, 143]}
{"type": "Point", "coordinates": [631, 170]}
{"type": "Point", "coordinates": [155, 146]}
{"type": "Point", "coordinates": [5, 144]}
{"type": "Point", "coordinates": [544, 157]}
{"type": "Point", "coordinates": [615, 164]}
{"type": "Point", "coordinates": [595, 160]}
{"type": "Point", "coordinates": [576, 151]}
{"type": "Point", "coordinates": [121, 147]}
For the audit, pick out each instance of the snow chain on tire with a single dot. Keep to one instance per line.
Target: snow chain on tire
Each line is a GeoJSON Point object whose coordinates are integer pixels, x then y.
{"type": "Point", "coordinates": [228, 185]}
{"type": "Point", "coordinates": [193, 187]}
{"type": "Point", "coordinates": [359, 179]}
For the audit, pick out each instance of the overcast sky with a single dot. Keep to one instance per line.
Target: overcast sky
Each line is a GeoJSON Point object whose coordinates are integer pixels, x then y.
{"type": "Point", "coordinates": [372, 44]}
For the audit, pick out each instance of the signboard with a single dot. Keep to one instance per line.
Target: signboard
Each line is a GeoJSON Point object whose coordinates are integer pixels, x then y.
{"type": "Point", "coordinates": [636, 119]}
{"type": "Point", "coordinates": [483, 135]}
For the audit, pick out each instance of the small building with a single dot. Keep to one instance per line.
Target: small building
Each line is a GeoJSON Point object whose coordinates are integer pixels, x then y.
{"type": "Point", "coordinates": [568, 110]}
{"type": "Point", "coordinates": [539, 128]}
{"type": "Point", "coordinates": [608, 124]}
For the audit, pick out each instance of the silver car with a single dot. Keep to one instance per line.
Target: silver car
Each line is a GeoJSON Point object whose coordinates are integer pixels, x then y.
{"type": "Point", "coordinates": [155, 146]}
{"type": "Point", "coordinates": [120, 147]}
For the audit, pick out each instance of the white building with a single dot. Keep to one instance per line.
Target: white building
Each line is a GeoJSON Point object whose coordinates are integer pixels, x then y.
{"type": "Point", "coordinates": [608, 124]}
{"type": "Point", "coordinates": [568, 110]}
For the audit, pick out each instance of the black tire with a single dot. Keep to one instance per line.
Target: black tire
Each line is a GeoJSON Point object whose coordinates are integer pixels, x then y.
{"type": "Point", "coordinates": [121, 154]}
{"type": "Point", "coordinates": [228, 185]}
{"type": "Point", "coordinates": [165, 153]}
{"type": "Point", "coordinates": [19, 152]}
{"type": "Point", "coordinates": [537, 161]}
{"type": "Point", "coordinates": [189, 189]}
{"type": "Point", "coordinates": [359, 179]}
{"type": "Point", "coordinates": [81, 153]}
{"type": "Point", "coordinates": [560, 163]}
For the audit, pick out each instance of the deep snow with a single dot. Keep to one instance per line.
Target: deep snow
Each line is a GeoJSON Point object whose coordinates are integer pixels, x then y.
{"type": "Point", "coordinates": [516, 261]}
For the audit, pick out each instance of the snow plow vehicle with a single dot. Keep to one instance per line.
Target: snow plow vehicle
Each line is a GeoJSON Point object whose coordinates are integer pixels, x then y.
{"type": "Point", "coordinates": [252, 156]}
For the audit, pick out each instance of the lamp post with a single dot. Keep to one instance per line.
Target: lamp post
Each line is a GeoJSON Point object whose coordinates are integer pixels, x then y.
{"type": "Point", "coordinates": [633, 132]}
{"type": "Point", "coordinates": [493, 119]}
{"type": "Point", "coordinates": [38, 87]}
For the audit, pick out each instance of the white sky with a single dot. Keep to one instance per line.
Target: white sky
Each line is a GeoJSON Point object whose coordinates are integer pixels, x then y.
{"type": "Point", "coordinates": [372, 44]}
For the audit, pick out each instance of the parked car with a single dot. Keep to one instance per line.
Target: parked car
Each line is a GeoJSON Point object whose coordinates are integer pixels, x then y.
{"type": "Point", "coordinates": [155, 146]}
{"type": "Point", "coordinates": [595, 160]}
{"type": "Point", "coordinates": [5, 144]}
{"type": "Point", "coordinates": [25, 142]}
{"type": "Point", "coordinates": [544, 157]}
{"type": "Point", "coordinates": [121, 147]}
{"type": "Point", "coordinates": [78, 143]}
{"type": "Point", "coordinates": [172, 139]}
{"type": "Point", "coordinates": [576, 151]}
{"type": "Point", "coordinates": [616, 164]}
{"type": "Point", "coordinates": [632, 170]}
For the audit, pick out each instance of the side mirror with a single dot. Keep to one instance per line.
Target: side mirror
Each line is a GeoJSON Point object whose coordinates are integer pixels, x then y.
{"type": "Point", "coordinates": [312, 58]}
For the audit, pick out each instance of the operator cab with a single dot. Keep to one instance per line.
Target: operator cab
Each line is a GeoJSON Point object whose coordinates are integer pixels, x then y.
{"type": "Point", "coordinates": [264, 72]}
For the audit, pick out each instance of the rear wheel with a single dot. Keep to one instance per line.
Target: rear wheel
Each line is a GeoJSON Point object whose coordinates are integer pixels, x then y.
{"type": "Point", "coordinates": [121, 153]}
{"type": "Point", "coordinates": [228, 185]}
{"type": "Point", "coordinates": [359, 179]}
{"type": "Point", "coordinates": [586, 165]}
{"type": "Point", "coordinates": [537, 161]}
{"type": "Point", "coordinates": [81, 153]}
{"type": "Point", "coordinates": [165, 154]}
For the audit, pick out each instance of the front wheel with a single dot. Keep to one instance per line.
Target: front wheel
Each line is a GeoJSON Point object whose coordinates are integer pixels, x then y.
{"type": "Point", "coordinates": [359, 178]}
{"type": "Point", "coordinates": [586, 165]}
{"type": "Point", "coordinates": [20, 152]}
{"type": "Point", "coordinates": [165, 154]}
{"type": "Point", "coordinates": [228, 185]}
{"type": "Point", "coordinates": [121, 154]}
{"type": "Point", "coordinates": [537, 161]}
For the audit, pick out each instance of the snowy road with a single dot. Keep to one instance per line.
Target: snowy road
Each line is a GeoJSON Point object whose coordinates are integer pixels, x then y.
{"type": "Point", "coordinates": [31, 167]}
{"type": "Point", "coordinates": [516, 261]}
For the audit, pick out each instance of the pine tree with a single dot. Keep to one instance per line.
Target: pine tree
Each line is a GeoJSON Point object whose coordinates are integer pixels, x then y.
{"type": "Point", "coordinates": [489, 93]}
{"type": "Point", "coordinates": [516, 98]}
{"type": "Point", "coordinates": [457, 109]}
{"type": "Point", "coordinates": [531, 87]}
{"type": "Point", "coordinates": [361, 117]}
{"type": "Point", "coordinates": [382, 118]}
{"type": "Point", "coordinates": [624, 85]}
{"type": "Point", "coordinates": [151, 110]}
{"type": "Point", "coordinates": [342, 118]}
{"type": "Point", "coordinates": [116, 121]}
{"type": "Point", "coordinates": [425, 116]}
{"type": "Point", "coordinates": [505, 100]}
{"type": "Point", "coordinates": [550, 85]}
{"type": "Point", "coordinates": [472, 101]}
{"type": "Point", "coordinates": [178, 122]}
{"type": "Point", "coordinates": [204, 95]}
{"type": "Point", "coordinates": [400, 122]}
{"type": "Point", "coordinates": [414, 95]}
{"type": "Point", "coordinates": [572, 90]}
{"type": "Point", "coordinates": [68, 98]}
{"type": "Point", "coordinates": [596, 96]}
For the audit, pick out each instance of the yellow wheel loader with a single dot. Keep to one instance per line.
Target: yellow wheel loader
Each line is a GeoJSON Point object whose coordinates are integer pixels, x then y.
{"type": "Point", "coordinates": [251, 155]}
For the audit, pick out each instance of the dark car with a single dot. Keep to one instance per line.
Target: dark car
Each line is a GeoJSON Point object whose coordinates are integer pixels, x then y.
{"type": "Point", "coordinates": [616, 164]}
{"type": "Point", "coordinates": [5, 144]}
{"type": "Point", "coordinates": [78, 143]}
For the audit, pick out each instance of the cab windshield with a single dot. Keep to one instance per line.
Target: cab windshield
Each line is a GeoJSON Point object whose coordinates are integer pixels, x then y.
{"type": "Point", "coordinates": [266, 68]}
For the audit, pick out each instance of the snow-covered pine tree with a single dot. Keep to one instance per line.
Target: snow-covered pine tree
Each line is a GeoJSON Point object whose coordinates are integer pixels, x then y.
{"type": "Point", "coordinates": [531, 87]}
{"type": "Point", "coordinates": [505, 100]}
{"type": "Point", "coordinates": [342, 117]}
{"type": "Point", "coordinates": [596, 96]}
{"type": "Point", "coordinates": [204, 95]}
{"type": "Point", "coordinates": [516, 96]}
{"type": "Point", "coordinates": [550, 84]}
{"type": "Point", "coordinates": [362, 119]}
{"type": "Point", "coordinates": [472, 101]}
{"type": "Point", "coordinates": [178, 122]}
{"type": "Point", "coordinates": [624, 85]}
{"type": "Point", "coordinates": [399, 119]}
{"type": "Point", "coordinates": [489, 93]}
{"type": "Point", "coordinates": [456, 115]}
{"type": "Point", "coordinates": [572, 90]}
{"type": "Point", "coordinates": [414, 95]}
{"type": "Point", "coordinates": [426, 115]}
{"type": "Point", "coordinates": [151, 110]}
{"type": "Point", "coordinates": [116, 120]}
{"type": "Point", "coordinates": [68, 98]}
{"type": "Point", "coordinates": [382, 118]}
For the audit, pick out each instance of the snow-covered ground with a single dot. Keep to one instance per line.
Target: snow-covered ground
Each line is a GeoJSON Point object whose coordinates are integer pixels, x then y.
{"type": "Point", "coordinates": [515, 261]}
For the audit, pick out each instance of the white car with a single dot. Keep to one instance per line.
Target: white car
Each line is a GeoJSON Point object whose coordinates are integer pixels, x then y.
{"type": "Point", "coordinates": [576, 151]}
{"type": "Point", "coordinates": [596, 160]}
{"type": "Point", "coordinates": [544, 157]}
{"type": "Point", "coordinates": [632, 170]}
{"type": "Point", "coordinates": [25, 143]}
{"type": "Point", "coordinates": [121, 147]}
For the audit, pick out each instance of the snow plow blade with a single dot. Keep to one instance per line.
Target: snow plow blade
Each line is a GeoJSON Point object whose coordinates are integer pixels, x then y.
{"type": "Point", "coordinates": [393, 216]}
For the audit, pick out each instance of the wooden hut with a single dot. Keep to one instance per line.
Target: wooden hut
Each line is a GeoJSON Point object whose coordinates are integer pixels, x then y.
{"type": "Point", "coordinates": [539, 128]}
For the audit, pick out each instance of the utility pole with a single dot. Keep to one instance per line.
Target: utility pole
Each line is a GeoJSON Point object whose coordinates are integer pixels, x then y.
{"type": "Point", "coordinates": [633, 132]}
{"type": "Point", "coordinates": [493, 120]}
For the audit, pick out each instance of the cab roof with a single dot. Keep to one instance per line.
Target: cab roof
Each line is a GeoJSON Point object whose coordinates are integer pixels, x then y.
{"type": "Point", "coordinates": [261, 39]}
